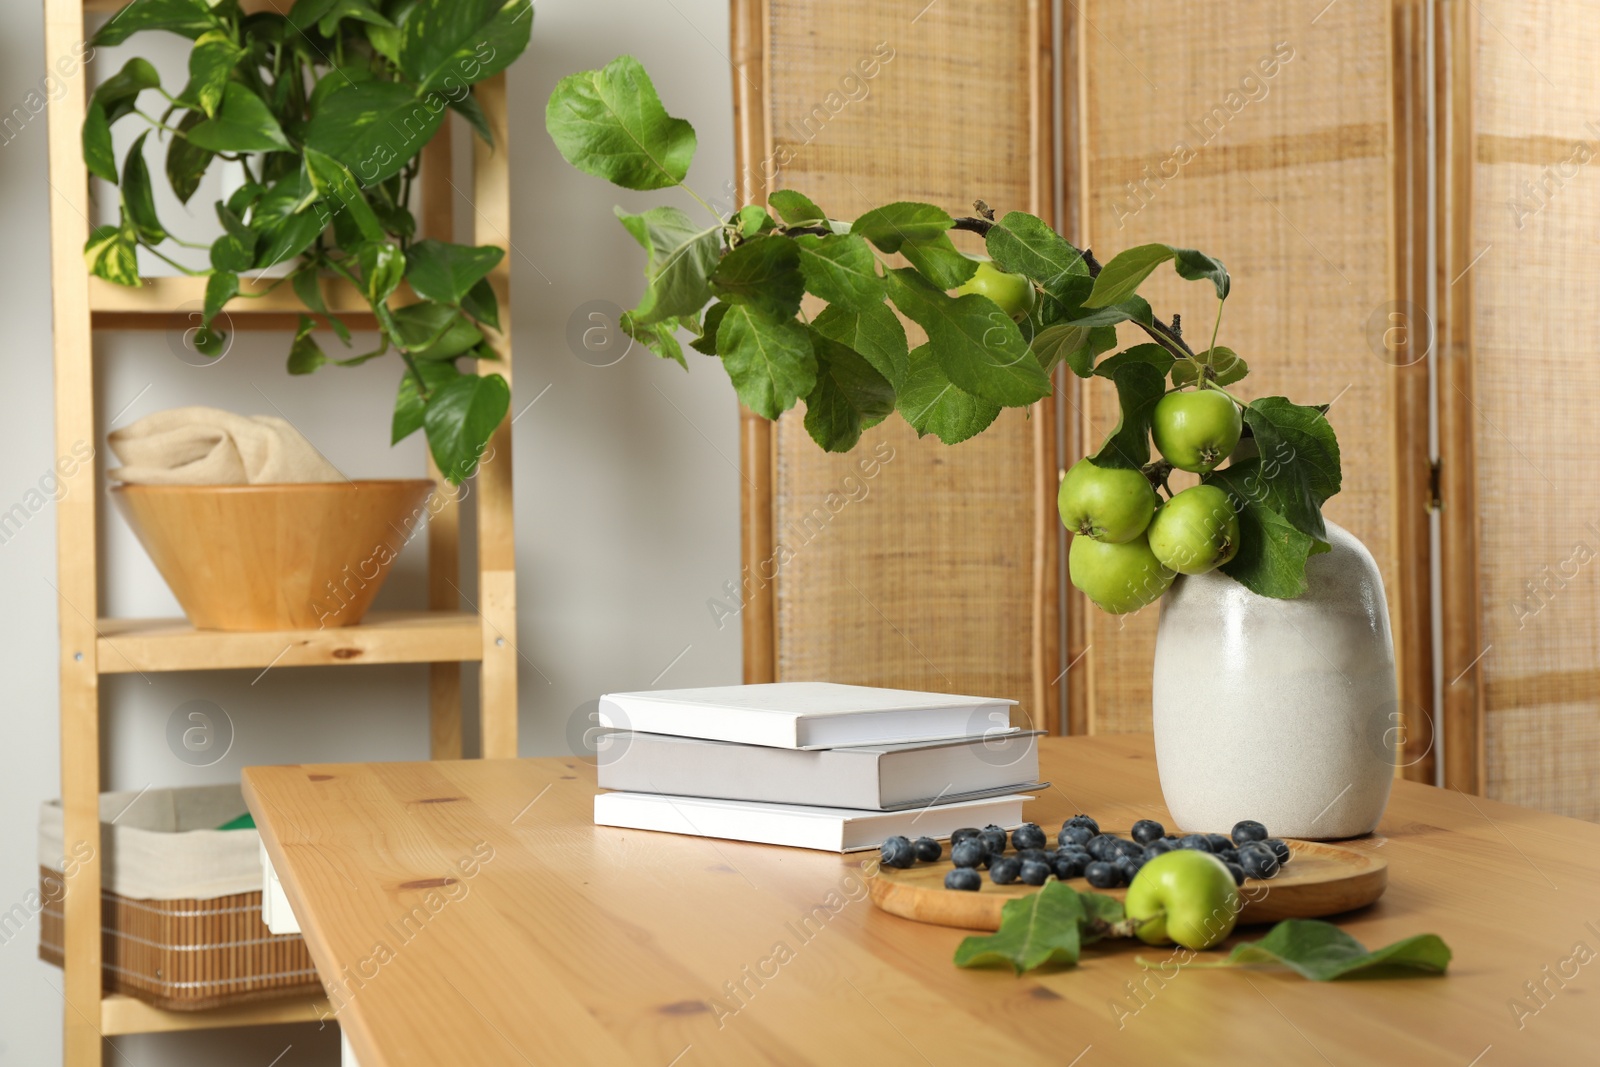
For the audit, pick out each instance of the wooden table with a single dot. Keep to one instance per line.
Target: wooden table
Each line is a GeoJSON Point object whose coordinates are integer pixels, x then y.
{"type": "Point", "coordinates": [469, 913]}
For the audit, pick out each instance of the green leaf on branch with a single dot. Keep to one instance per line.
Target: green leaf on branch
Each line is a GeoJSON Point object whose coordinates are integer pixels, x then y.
{"type": "Point", "coordinates": [433, 331]}
{"type": "Point", "coordinates": [679, 260]}
{"type": "Point", "coordinates": [763, 272]}
{"type": "Point", "coordinates": [921, 233]}
{"type": "Point", "coordinates": [1064, 343]}
{"type": "Point", "coordinates": [770, 360]}
{"type": "Point", "coordinates": [221, 287]}
{"type": "Point", "coordinates": [460, 418]}
{"type": "Point", "coordinates": [610, 123]}
{"type": "Point", "coordinates": [98, 154]}
{"type": "Point", "coordinates": [466, 105]}
{"type": "Point", "coordinates": [874, 332]}
{"type": "Point", "coordinates": [753, 220]}
{"type": "Point", "coordinates": [329, 178]}
{"type": "Point", "coordinates": [210, 63]}
{"type": "Point", "coordinates": [1322, 952]}
{"type": "Point", "coordinates": [977, 345]}
{"type": "Point", "coordinates": [326, 15]}
{"type": "Point", "coordinates": [1023, 244]}
{"type": "Point", "coordinates": [1042, 927]}
{"type": "Point", "coordinates": [382, 264]}
{"type": "Point", "coordinates": [1226, 368]}
{"type": "Point", "coordinates": [1197, 266]}
{"type": "Point", "coordinates": [138, 196]}
{"type": "Point", "coordinates": [307, 286]}
{"type": "Point", "coordinates": [463, 41]}
{"type": "Point", "coordinates": [118, 95]}
{"type": "Point", "coordinates": [235, 250]}
{"type": "Point", "coordinates": [1151, 355]}
{"type": "Point", "coordinates": [188, 18]}
{"type": "Point", "coordinates": [1272, 554]}
{"type": "Point", "coordinates": [1139, 386]}
{"type": "Point", "coordinates": [659, 337]}
{"type": "Point", "coordinates": [408, 403]}
{"type": "Point", "coordinates": [1299, 459]}
{"type": "Point", "coordinates": [481, 303]}
{"type": "Point", "coordinates": [305, 355]}
{"type": "Point", "coordinates": [930, 403]}
{"type": "Point", "coordinates": [373, 127]}
{"type": "Point", "coordinates": [706, 343]}
{"type": "Point", "coordinates": [850, 395]}
{"type": "Point", "coordinates": [242, 124]}
{"type": "Point", "coordinates": [285, 237]}
{"type": "Point", "coordinates": [1121, 277]}
{"type": "Point", "coordinates": [796, 209]}
{"type": "Point", "coordinates": [1133, 309]}
{"type": "Point", "coordinates": [447, 272]}
{"type": "Point", "coordinates": [111, 252]}
{"type": "Point", "coordinates": [186, 163]}
{"type": "Point", "coordinates": [840, 269]}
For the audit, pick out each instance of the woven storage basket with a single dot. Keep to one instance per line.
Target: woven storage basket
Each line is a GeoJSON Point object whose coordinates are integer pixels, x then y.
{"type": "Point", "coordinates": [180, 902]}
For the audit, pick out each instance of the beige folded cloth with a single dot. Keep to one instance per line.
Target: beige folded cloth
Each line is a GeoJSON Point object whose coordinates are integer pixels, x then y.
{"type": "Point", "coordinates": [208, 446]}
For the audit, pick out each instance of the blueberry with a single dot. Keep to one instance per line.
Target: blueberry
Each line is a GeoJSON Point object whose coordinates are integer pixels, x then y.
{"type": "Point", "coordinates": [1228, 855]}
{"type": "Point", "coordinates": [1103, 875]}
{"type": "Point", "coordinates": [1247, 830]}
{"type": "Point", "coordinates": [1003, 870]}
{"type": "Point", "coordinates": [1157, 847]}
{"type": "Point", "coordinates": [1074, 835]}
{"type": "Point", "coordinates": [1128, 848]}
{"type": "Point", "coordinates": [1028, 835]}
{"type": "Point", "coordinates": [1198, 842]}
{"type": "Point", "coordinates": [993, 838]}
{"type": "Point", "coordinates": [957, 836]}
{"type": "Point", "coordinates": [1218, 842]}
{"type": "Point", "coordinates": [1147, 830]}
{"type": "Point", "coordinates": [1237, 872]}
{"type": "Point", "coordinates": [1280, 847]}
{"type": "Point", "coordinates": [896, 852]}
{"type": "Point", "coordinates": [968, 852]}
{"type": "Point", "coordinates": [1258, 861]}
{"type": "Point", "coordinates": [1128, 866]}
{"type": "Point", "coordinates": [1071, 865]}
{"type": "Point", "coordinates": [963, 878]}
{"type": "Point", "coordinates": [1034, 872]}
{"type": "Point", "coordinates": [1027, 854]}
{"type": "Point", "coordinates": [1084, 820]}
{"type": "Point", "coordinates": [927, 849]}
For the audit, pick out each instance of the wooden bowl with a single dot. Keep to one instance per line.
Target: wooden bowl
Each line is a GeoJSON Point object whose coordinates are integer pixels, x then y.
{"type": "Point", "coordinates": [275, 557]}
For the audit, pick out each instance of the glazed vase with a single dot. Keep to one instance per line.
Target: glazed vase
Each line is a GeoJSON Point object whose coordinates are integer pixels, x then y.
{"type": "Point", "coordinates": [1282, 711]}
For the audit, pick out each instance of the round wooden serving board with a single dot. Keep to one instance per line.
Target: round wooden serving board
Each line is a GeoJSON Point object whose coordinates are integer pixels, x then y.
{"type": "Point", "coordinates": [1319, 879]}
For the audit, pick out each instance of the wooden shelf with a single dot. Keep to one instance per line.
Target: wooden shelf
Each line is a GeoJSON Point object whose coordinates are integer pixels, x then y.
{"type": "Point", "coordinates": [129, 1015]}
{"type": "Point", "coordinates": [148, 645]}
{"type": "Point", "coordinates": [175, 303]}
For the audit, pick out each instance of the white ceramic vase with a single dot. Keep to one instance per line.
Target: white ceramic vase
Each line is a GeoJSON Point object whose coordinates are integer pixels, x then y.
{"type": "Point", "coordinates": [1283, 711]}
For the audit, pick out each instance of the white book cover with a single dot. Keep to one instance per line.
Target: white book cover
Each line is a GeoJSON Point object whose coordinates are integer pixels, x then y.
{"type": "Point", "coordinates": [806, 714]}
{"type": "Point", "coordinates": [797, 825]}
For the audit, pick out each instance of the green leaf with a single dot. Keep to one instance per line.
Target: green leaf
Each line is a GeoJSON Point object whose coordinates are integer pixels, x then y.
{"type": "Point", "coordinates": [1300, 459]}
{"type": "Point", "coordinates": [382, 264]}
{"type": "Point", "coordinates": [242, 124]}
{"type": "Point", "coordinates": [1226, 366]}
{"type": "Point", "coordinates": [97, 150]}
{"type": "Point", "coordinates": [466, 105]}
{"type": "Point", "coordinates": [891, 226]}
{"type": "Point", "coordinates": [1024, 244]}
{"type": "Point", "coordinates": [374, 127]}
{"type": "Point", "coordinates": [679, 260]}
{"type": "Point", "coordinates": [1272, 554]}
{"type": "Point", "coordinates": [446, 272]}
{"type": "Point", "coordinates": [1121, 278]}
{"type": "Point", "coordinates": [111, 252]}
{"type": "Point", "coordinates": [210, 63]}
{"type": "Point", "coordinates": [235, 250]}
{"type": "Point", "coordinates": [330, 178]}
{"type": "Point", "coordinates": [931, 404]}
{"type": "Point", "coordinates": [119, 94]}
{"type": "Point", "coordinates": [433, 331]}
{"type": "Point", "coordinates": [1139, 387]}
{"type": "Point", "coordinates": [763, 272]}
{"type": "Point", "coordinates": [795, 209]}
{"type": "Point", "coordinates": [707, 341]}
{"type": "Point", "coordinates": [849, 396]}
{"type": "Point", "coordinates": [286, 238]}
{"type": "Point", "coordinates": [1040, 928]}
{"type": "Point", "coordinates": [1133, 309]}
{"type": "Point", "coordinates": [481, 303]}
{"type": "Point", "coordinates": [1322, 952]}
{"type": "Point", "coordinates": [1100, 914]}
{"type": "Point", "coordinates": [753, 220]}
{"type": "Point", "coordinates": [305, 355]}
{"type": "Point", "coordinates": [769, 359]}
{"type": "Point", "coordinates": [188, 18]}
{"type": "Point", "coordinates": [307, 286]}
{"type": "Point", "coordinates": [221, 287]}
{"type": "Point", "coordinates": [841, 269]}
{"type": "Point", "coordinates": [1197, 266]}
{"type": "Point", "coordinates": [327, 14]}
{"type": "Point", "coordinates": [1066, 343]}
{"type": "Point", "coordinates": [459, 420]}
{"type": "Point", "coordinates": [137, 195]}
{"type": "Point", "coordinates": [659, 337]}
{"type": "Point", "coordinates": [1151, 355]}
{"type": "Point", "coordinates": [610, 123]}
{"type": "Point", "coordinates": [977, 345]}
{"type": "Point", "coordinates": [408, 404]}
{"type": "Point", "coordinates": [874, 332]}
{"type": "Point", "coordinates": [186, 163]}
{"type": "Point", "coordinates": [448, 43]}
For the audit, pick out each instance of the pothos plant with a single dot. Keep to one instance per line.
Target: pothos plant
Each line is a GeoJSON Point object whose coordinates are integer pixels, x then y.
{"type": "Point", "coordinates": [996, 329]}
{"type": "Point", "coordinates": [324, 111]}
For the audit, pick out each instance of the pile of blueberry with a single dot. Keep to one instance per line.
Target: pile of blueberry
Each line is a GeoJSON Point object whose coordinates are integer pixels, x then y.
{"type": "Point", "coordinates": [1106, 861]}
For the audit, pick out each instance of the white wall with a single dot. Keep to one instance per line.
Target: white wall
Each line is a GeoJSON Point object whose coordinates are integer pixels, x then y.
{"type": "Point", "coordinates": [627, 493]}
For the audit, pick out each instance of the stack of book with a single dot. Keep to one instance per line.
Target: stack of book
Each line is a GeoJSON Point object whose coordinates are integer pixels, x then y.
{"type": "Point", "coordinates": [811, 764]}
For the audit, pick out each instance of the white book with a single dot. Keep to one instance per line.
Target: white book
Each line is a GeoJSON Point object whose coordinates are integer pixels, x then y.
{"type": "Point", "coordinates": [806, 714]}
{"type": "Point", "coordinates": [802, 826]}
{"type": "Point", "coordinates": [883, 777]}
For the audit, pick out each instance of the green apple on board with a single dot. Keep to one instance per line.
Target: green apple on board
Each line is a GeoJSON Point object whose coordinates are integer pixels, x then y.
{"type": "Point", "coordinates": [1184, 896]}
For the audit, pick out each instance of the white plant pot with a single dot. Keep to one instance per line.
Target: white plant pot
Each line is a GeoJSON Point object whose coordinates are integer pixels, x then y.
{"type": "Point", "coordinates": [1283, 711]}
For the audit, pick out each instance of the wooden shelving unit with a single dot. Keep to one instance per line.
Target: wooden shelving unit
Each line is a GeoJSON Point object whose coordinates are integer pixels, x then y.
{"type": "Point", "coordinates": [444, 635]}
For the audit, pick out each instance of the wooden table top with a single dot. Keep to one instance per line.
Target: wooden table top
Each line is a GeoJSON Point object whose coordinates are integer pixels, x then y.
{"type": "Point", "coordinates": [469, 913]}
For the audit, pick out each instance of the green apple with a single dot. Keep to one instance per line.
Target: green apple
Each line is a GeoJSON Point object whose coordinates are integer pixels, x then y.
{"type": "Point", "coordinates": [1119, 578]}
{"type": "Point", "coordinates": [1012, 292]}
{"type": "Point", "coordinates": [1106, 503]}
{"type": "Point", "coordinates": [1183, 896]}
{"type": "Point", "coordinates": [1196, 429]}
{"type": "Point", "coordinates": [1196, 531]}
